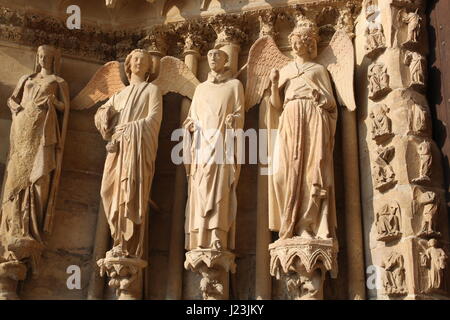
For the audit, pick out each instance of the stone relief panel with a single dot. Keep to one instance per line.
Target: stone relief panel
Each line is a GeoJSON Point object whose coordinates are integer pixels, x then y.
{"type": "Point", "coordinates": [382, 173]}
{"type": "Point", "coordinates": [416, 64]}
{"type": "Point", "coordinates": [381, 123]}
{"type": "Point", "coordinates": [433, 261]}
{"type": "Point", "coordinates": [378, 81]}
{"type": "Point", "coordinates": [394, 276]}
{"type": "Point", "coordinates": [426, 210]}
{"type": "Point", "coordinates": [388, 221]}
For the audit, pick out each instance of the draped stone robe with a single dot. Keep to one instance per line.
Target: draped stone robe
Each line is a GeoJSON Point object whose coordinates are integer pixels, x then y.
{"type": "Point", "coordinates": [211, 207]}
{"type": "Point", "coordinates": [130, 162]}
{"type": "Point", "coordinates": [301, 188]}
{"type": "Point", "coordinates": [35, 147]}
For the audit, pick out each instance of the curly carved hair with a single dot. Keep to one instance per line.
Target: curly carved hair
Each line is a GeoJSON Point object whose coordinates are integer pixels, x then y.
{"type": "Point", "coordinates": [306, 30]}
{"type": "Point", "coordinates": [128, 62]}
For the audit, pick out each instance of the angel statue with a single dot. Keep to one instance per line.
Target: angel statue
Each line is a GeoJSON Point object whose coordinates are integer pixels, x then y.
{"type": "Point", "coordinates": [40, 109]}
{"type": "Point", "coordinates": [301, 105]}
{"type": "Point", "coordinates": [130, 121]}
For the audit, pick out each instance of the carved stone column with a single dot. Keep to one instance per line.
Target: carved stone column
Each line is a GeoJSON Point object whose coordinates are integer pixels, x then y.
{"type": "Point", "coordinates": [263, 280]}
{"type": "Point", "coordinates": [350, 151]}
{"type": "Point", "coordinates": [302, 264]}
{"type": "Point", "coordinates": [124, 274]}
{"type": "Point", "coordinates": [193, 44]}
{"type": "Point", "coordinates": [406, 227]}
{"type": "Point", "coordinates": [213, 265]}
{"type": "Point", "coordinates": [23, 255]}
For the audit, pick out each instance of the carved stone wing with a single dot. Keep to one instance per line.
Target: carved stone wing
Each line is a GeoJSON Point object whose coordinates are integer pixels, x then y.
{"type": "Point", "coordinates": [263, 56]}
{"type": "Point", "coordinates": [105, 83]}
{"type": "Point", "coordinates": [175, 76]}
{"type": "Point", "coordinates": [339, 59]}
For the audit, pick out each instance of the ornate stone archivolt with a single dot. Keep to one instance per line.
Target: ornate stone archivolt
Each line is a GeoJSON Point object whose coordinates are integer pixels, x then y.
{"type": "Point", "coordinates": [398, 119]}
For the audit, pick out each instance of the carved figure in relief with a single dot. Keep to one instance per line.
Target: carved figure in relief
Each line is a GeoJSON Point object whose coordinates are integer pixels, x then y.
{"type": "Point", "coordinates": [434, 259]}
{"type": "Point", "coordinates": [378, 81]}
{"type": "Point", "coordinates": [375, 39]}
{"type": "Point", "coordinates": [301, 105]}
{"type": "Point", "coordinates": [417, 119]}
{"type": "Point", "coordinates": [425, 160]}
{"type": "Point", "coordinates": [388, 221]}
{"type": "Point", "coordinates": [428, 206]}
{"type": "Point", "coordinates": [40, 108]}
{"type": "Point", "coordinates": [416, 63]}
{"type": "Point", "coordinates": [129, 121]}
{"type": "Point", "coordinates": [382, 173]}
{"type": "Point", "coordinates": [216, 113]}
{"type": "Point", "coordinates": [381, 124]}
{"type": "Point", "coordinates": [413, 20]}
{"type": "Point", "coordinates": [394, 275]}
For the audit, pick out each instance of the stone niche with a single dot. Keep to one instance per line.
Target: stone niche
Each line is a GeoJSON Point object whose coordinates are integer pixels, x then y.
{"type": "Point", "coordinates": [176, 28]}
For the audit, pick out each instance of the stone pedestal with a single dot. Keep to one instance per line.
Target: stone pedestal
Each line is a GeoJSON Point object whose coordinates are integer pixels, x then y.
{"type": "Point", "coordinates": [124, 273]}
{"type": "Point", "coordinates": [213, 265]}
{"type": "Point", "coordinates": [11, 272]}
{"type": "Point", "coordinates": [302, 263]}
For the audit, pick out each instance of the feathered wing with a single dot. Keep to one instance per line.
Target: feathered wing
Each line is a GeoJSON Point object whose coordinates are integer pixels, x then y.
{"type": "Point", "coordinates": [263, 56]}
{"type": "Point", "coordinates": [105, 83]}
{"type": "Point", "coordinates": [339, 58]}
{"type": "Point", "coordinates": [175, 76]}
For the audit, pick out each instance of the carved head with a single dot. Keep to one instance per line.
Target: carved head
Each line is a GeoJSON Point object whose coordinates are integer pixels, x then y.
{"type": "Point", "coordinates": [217, 59]}
{"type": "Point", "coordinates": [304, 38]}
{"type": "Point", "coordinates": [47, 57]}
{"type": "Point", "coordinates": [138, 62]}
{"type": "Point", "coordinates": [432, 243]}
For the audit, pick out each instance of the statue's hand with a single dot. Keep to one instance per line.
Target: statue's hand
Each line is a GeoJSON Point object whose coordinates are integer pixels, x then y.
{"type": "Point", "coordinates": [190, 125]}
{"type": "Point", "coordinates": [229, 121]}
{"type": "Point", "coordinates": [315, 95]}
{"type": "Point", "coordinates": [275, 77]}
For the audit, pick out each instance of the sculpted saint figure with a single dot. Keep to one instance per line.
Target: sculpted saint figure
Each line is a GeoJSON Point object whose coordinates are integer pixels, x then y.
{"type": "Point", "coordinates": [130, 122]}
{"type": "Point", "coordinates": [435, 260]}
{"type": "Point", "coordinates": [216, 112]}
{"type": "Point", "coordinates": [374, 37]}
{"type": "Point", "coordinates": [378, 80]}
{"type": "Point", "coordinates": [394, 276]}
{"type": "Point", "coordinates": [381, 124]}
{"type": "Point", "coordinates": [416, 63]}
{"type": "Point", "coordinates": [413, 20]}
{"type": "Point", "coordinates": [34, 162]}
{"type": "Point", "coordinates": [388, 222]}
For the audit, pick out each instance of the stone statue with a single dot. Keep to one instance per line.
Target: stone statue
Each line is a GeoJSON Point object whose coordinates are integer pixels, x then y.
{"type": "Point", "coordinates": [301, 106]}
{"type": "Point", "coordinates": [375, 40]}
{"type": "Point", "coordinates": [217, 111]}
{"type": "Point", "coordinates": [434, 259]}
{"type": "Point", "coordinates": [388, 221]}
{"type": "Point", "coordinates": [429, 203]}
{"type": "Point", "coordinates": [34, 162]}
{"type": "Point", "coordinates": [382, 173]}
{"type": "Point", "coordinates": [129, 121]}
{"type": "Point", "coordinates": [381, 124]}
{"type": "Point", "coordinates": [425, 161]}
{"type": "Point", "coordinates": [378, 81]}
{"type": "Point", "coordinates": [416, 63]}
{"type": "Point", "coordinates": [394, 275]}
{"type": "Point", "coordinates": [413, 20]}
{"type": "Point", "coordinates": [417, 119]}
